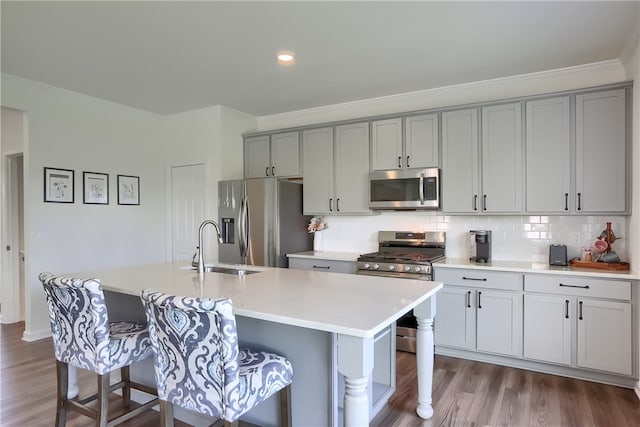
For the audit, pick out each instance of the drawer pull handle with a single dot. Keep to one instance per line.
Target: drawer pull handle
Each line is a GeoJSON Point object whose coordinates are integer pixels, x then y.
{"type": "Point", "coordinates": [566, 309]}
{"type": "Point", "coordinates": [326, 267]}
{"type": "Point", "coordinates": [468, 299]}
{"type": "Point", "coordinates": [574, 286]}
{"type": "Point", "coordinates": [580, 315]}
{"type": "Point", "coordinates": [474, 278]}
{"type": "Point", "coordinates": [479, 295]}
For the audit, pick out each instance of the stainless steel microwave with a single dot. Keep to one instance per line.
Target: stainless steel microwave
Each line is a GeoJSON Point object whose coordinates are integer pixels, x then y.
{"type": "Point", "coordinates": [409, 189]}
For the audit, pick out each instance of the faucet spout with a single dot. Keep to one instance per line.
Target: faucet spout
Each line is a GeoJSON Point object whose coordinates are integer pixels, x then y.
{"type": "Point", "coordinates": [201, 242]}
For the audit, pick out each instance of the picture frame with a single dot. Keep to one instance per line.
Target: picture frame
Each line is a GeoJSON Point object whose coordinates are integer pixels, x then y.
{"type": "Point", "coordinates": [95, 188]}
{"type": "Point", "coordinates": [59, 185]}
{"type": "Point", "coordinates": [128, 190]}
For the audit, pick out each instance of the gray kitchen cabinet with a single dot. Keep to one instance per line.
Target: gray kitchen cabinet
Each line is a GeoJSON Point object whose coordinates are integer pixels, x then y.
{"type": "Point", "coordinates": [601, 152]}
{"type": "Point", "coordinates": [460, 164]}
{"type": "Point", "coordinates": [336, 172]}
{"type": "Point", "coordinates": [579, 321]}
{"type": "Point", "coordinates": [502, 159]}
{"type": "Point", "coordinates": [420, 147]}
{"type": "Point", "coordinates": [326, 265]}
{"type": "Point", "coordinates": [480, 311]}
{"type": "Point", "coordinates": [548, 148]}
{"type": "Point", "coordinates": [276, 155]}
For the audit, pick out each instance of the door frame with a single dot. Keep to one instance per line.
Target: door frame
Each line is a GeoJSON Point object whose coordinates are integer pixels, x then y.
{"type": "Point", "coordinates": [10, 278]}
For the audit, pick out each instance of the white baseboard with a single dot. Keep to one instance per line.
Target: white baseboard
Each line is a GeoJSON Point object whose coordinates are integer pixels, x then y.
{"type": "Point", "coordinates": [30, 336]}
{"type": "Point", "coordinates": [637, 389]}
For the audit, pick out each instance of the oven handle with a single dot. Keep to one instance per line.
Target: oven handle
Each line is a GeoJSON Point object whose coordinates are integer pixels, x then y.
{"type": "Point", "coordinates": [378, 273]}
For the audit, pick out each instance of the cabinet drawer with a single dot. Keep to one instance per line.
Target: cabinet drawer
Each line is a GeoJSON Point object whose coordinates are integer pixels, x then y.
{"type": "Point", "coordinates": [322, 265]}
{"type": "Point", "coordinates": [479, 278]}
{"type": "Point", "coordinates": [578, 286]}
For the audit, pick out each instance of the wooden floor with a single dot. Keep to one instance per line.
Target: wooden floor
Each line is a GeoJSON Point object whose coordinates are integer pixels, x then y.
{"type": "Point", "coordinates": [465, 393]}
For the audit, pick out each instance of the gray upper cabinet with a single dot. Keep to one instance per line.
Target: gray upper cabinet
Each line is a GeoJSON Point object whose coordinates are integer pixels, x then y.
{"type": "Point", "coordinates": [336, 172]}
{"type": "Point", "coordinates": [601, 161]}
{"type": "Point", "coordinates": [418, 149]}
{"type": "Point", "coordinates": [502, 160]}
{"type": "Point", "coordinates": [460, 186]}
{"type": "Point", "coordinates": [275, 155]}
{"type": "Point", "coordinates": [548, 141]}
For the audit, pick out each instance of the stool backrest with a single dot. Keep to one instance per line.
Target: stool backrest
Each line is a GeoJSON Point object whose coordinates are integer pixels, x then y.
{"type": "Point", "coordinates": [79, 321]}
{"type": "Point", "coordinates": [196, 351]}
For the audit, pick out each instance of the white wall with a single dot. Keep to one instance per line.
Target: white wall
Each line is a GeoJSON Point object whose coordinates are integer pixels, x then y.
{"type": "Point", "coordinates": [524, 238]}
{"type": "Point", "coordinates": [72, 131]}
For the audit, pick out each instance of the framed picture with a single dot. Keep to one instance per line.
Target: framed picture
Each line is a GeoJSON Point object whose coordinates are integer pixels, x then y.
{"type": "Point", "coordinates": [128, 190]}
{"type": "Point", "coordinates": [95, 187]}
{"type": "Point", "coordinates": [58, 185]}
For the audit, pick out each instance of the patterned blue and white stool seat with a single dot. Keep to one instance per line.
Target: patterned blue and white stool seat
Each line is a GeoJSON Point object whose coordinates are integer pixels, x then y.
{"type": "Point", "coordinates": [198, 363]}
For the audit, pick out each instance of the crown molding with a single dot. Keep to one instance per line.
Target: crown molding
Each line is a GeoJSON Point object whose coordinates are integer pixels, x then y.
{"type": "Point", "coordinates": [575, 77]}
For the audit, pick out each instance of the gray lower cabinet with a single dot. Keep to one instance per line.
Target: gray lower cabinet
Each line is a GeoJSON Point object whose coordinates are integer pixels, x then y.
{"type": "Point", "coordinates": [479, 311]}
{"type": "Point", "coordinates": [329, 266]}
{"type": "Point", "coordinates": [579, 321]}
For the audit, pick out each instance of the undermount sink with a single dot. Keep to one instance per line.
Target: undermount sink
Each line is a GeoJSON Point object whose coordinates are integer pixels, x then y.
{"type": "Point", "coordinates": [226, 270]}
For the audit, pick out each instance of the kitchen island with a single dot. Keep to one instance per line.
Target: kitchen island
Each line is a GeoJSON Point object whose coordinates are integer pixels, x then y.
{"type": "Point", "coordinates": [327, 324]}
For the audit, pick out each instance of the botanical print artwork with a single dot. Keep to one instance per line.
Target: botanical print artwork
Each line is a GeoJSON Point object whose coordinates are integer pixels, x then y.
{"type": "Point", "coordinates": [58, 185]}
{"type": "Point", "coordinates": [128, 190]}
{"type": "Point", "coordinates": [96, 188]}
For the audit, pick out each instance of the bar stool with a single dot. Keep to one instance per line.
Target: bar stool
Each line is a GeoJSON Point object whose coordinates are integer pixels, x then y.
{"type": "Point", "coordinates": [199, 366]}
{"type": "Point", "coordinates": [83, 337]}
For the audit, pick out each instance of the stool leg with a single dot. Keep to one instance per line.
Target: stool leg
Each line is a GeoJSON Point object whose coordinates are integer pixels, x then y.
{"type": "Point", "coordinates": [126, 388]}
{"type": "Point", "coordinates": [62, 372]}
{"type": "Point", "coordinates": [166, 413]}
{"type": "Point", "coordinates": [285, 406]}
{"type": "Point", "coordinates": [102, 409]}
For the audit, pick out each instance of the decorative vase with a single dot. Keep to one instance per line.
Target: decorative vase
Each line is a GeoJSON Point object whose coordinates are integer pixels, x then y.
{"type": "Point", "coordinates": [317, 241]}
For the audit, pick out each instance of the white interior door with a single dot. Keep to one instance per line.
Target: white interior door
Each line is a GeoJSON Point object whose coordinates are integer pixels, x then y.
{"type": "Point", "coordinates": [187, 209]}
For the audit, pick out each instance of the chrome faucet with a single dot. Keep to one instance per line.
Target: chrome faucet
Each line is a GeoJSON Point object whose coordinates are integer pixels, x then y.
{"type": "Point", "coordinates": [200, 242]}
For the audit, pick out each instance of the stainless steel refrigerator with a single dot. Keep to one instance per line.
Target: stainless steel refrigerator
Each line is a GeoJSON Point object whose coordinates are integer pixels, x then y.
{"type": "Point", "coordinates": [261, 221]}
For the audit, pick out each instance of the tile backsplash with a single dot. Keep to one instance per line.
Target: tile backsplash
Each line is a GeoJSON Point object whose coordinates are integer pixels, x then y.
{"type": "Point", "coordinates": [515, 238]}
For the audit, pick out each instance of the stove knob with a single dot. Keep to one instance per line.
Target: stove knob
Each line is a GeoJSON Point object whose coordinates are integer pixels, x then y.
{"type": "Point", "coordinates": [407, 268]}
{"type": "Point", "coordinates": [376, 266]}
{"type": "Point", "coordinates": [392, 267]}
{"type": "Point", "coordinates": [366, 265]}
{"type": "Point", "coordinates": [418, 269]}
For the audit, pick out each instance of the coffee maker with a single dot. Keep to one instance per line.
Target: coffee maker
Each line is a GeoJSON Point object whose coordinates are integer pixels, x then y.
{"type": "Point", "coordinates": [480, 246]}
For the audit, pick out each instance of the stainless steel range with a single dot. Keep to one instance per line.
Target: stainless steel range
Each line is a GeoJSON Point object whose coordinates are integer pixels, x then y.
{"type": "Point", "coordinates": [408, 255]}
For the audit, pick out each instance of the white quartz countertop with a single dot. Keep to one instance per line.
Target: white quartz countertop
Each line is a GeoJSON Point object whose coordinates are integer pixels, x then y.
{"type": "Point", "coordinates": [346, 304]}
{"type": "Point", "coordinates": [333, 256]}
{"type": "Point", "coordinates": [543, 268]}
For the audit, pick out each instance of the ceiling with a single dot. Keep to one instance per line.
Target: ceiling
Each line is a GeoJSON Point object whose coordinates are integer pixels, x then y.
{"type": "Point", "coordinates": [169, 57]}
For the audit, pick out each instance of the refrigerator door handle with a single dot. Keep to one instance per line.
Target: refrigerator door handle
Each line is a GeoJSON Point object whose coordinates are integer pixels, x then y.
{"type": "Point", "coordinates": [243, 228]}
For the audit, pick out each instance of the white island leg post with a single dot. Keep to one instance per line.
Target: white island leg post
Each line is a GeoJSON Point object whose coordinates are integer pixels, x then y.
{"type": "Point", "coordinates": [355, 362]}
{"type": "Point", "coordinates": [425, 313]}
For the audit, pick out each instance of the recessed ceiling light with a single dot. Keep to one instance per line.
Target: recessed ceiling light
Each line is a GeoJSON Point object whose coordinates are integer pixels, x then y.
{"type": "Point", "coordinates": [286, 57]}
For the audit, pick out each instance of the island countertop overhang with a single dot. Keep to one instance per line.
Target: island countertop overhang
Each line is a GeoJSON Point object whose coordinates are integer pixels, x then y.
{"type": "Point", "coordinates": [347, 304]}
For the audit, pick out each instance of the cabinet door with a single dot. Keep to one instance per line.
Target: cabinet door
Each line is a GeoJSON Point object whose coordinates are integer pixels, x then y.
{"type": "Point", "coordinates": [502, 161]}
{"type": "Point", "coordinates": [256, 157]}
{"type": "Point", "coordinates": [460, 161]}
{"type": "Point", "coordinates": [352, 168]}
{"type": "Point", "coordinates": [386, 144]}
{"type": "Point", "coordinates": [604, 335]}
{"type": "Point", "coordinates": [421, 141]}
{"type": "Point", "coordinates": [548, 155]}
{"type": "Point", "coordinates": [499, 322]}
{"type": "Point", "coordinates": [547, 328]}
{"type": "Point", "coordinates": [285, 154]}
{"type": "Point", "coordinates": [601, 152]}
{"type": "Point", "coordinates": [317, 170]}
{"type": "Point", "coordinates": [455, 318]}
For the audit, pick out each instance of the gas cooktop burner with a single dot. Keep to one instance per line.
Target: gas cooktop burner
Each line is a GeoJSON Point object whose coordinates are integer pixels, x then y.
{"type": "Point", "coordinates": [402, 257]}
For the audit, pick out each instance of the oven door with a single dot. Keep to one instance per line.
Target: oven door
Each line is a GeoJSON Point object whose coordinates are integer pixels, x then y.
{"type": "Point", "coordinates": [405, 189]}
